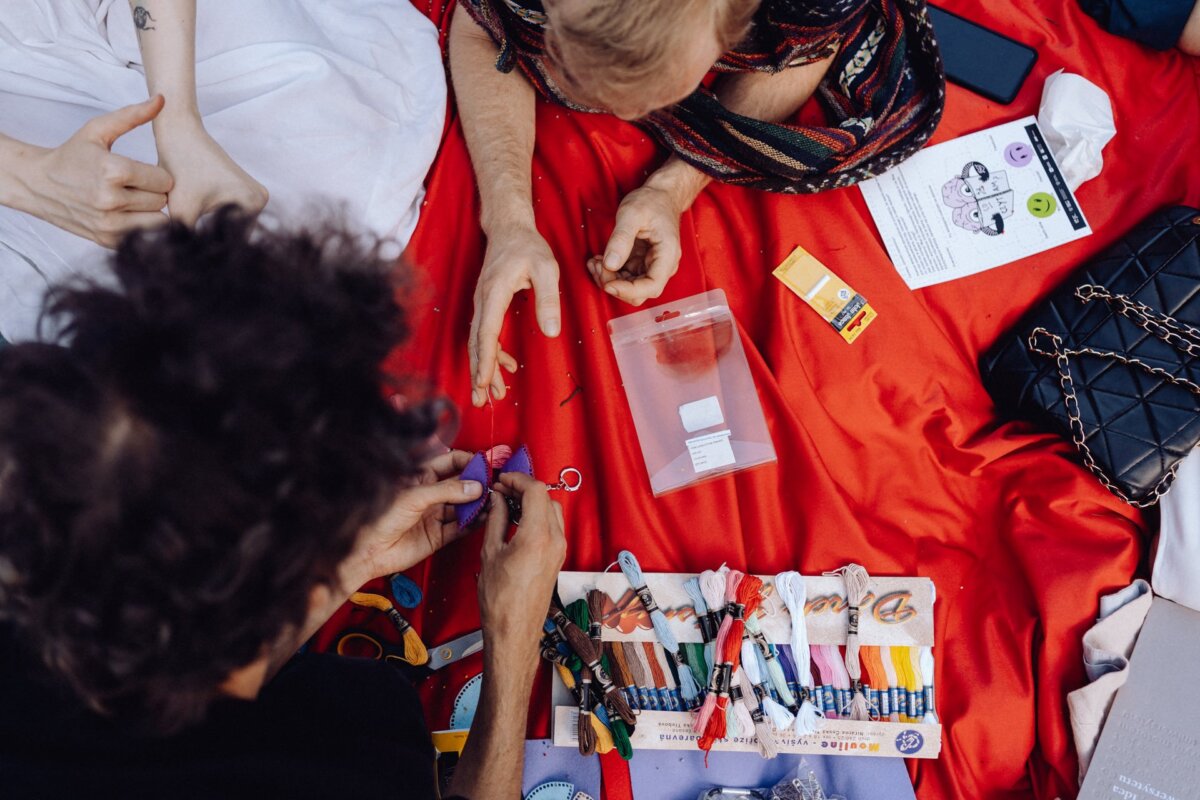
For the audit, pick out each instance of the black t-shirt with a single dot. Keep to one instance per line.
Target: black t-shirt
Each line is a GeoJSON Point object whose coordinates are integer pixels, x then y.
{"type": "Point", "coordinates": [326, 726]}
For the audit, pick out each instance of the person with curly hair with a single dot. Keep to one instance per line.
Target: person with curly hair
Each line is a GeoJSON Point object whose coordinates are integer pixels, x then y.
{"type": "Point", "coordinates": [720, 84]}
{"type": "Point", "coordinates": [194, 475]}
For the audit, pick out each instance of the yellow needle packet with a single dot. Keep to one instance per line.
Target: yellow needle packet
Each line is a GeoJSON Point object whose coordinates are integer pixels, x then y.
{"type": "Point", "coordinates": [842, 307]}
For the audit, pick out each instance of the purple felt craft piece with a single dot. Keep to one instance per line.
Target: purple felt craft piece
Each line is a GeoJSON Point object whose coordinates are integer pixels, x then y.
{"type": "Point", "coordinates": [520, 461]}
{"type": "Point", "coordinates": [477, 470]}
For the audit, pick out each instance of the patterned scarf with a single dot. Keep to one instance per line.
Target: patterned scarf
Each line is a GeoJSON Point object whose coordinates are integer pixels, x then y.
{"type": "Point", "coordinates": [883, 95]}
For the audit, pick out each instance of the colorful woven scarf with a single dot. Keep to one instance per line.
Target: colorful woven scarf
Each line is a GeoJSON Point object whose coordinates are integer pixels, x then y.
{"type": "Point", "coordinates": [883, 95]}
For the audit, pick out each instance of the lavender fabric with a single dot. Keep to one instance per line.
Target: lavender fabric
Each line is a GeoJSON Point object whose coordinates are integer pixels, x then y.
{"type": "Point", "coordinates": [477, 470]}
{"type": "Point", "coordinates": [652, 771]}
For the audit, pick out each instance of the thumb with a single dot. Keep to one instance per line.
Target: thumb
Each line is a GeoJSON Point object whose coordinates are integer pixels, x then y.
{"type": "Point", "coordinates": [107, 128]}
{"type": "Point", "coordinates": [545, 291]}
{"type": "Point", "coordinates": [620, 244]}
{"type": "Point", "coordinates": [497, 525]}
{"type": "Point", "coordinates": [451, 491]}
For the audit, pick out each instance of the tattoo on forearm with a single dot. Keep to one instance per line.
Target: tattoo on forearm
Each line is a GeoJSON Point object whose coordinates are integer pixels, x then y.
{"type": "Point", "coordinates": [142, 19]}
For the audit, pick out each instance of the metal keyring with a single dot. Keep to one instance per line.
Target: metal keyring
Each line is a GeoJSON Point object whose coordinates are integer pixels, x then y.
{"type": "Point", "coordinates": [562, 480]}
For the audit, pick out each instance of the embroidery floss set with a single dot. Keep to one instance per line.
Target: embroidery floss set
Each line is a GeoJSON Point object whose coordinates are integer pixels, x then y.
{"type": "Point", "coordinates": [834, 663]}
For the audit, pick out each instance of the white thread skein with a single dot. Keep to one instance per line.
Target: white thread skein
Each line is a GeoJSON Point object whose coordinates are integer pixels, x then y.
{"type": "Point", "coordinates": [794, 593]}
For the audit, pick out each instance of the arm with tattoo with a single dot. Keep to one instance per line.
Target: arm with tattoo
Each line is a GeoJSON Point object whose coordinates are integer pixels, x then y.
{"type": "Point", "coordinates": [205, 176]}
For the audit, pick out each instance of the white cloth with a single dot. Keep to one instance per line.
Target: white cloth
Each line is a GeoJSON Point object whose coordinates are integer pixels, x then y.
{"type": "Point", "coordinates": [1076, 118]}
{"type": "Point", "coordinates": [1106, 649]}
{"type": "Point", "coordinates": [1176, 574]}
{"type": "Point", "coordinates": [331, 104]}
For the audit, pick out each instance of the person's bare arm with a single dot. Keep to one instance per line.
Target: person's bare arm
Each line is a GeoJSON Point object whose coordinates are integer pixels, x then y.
{"type": "Point", "coordinates": [81, 186]}
{"type": "Point", "coordinates": [1189, 42]}
{"type": "Point", "coordinates": [205, 176]}
{"type": "Point", "coordinates": [643, 251]}
{"type": "Point", "coordinates": [515, 585]}
{"type": "Point", "coordinates": [497, 112]}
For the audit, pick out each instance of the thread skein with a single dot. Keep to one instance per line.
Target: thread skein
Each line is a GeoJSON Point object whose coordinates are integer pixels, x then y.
{"type": "Point", "coordinates": [912, 685]}
{"type": "Point", "coordinates": [901, 665]}
{"type": "Point", "coordinates": [582, 645]}
{"type": "Point", "coordinates": [660, 654]}
{"type": "Point", "coordinates": [707, 624]}
{"type": "Point", "coordinates": [826, 672]}
{"type": "Point", "coordinates": [779, 716]}
{"type": "Point", "coordinates": [585, 732]}
{"type": "Point", "coordinates": [606, 740]}
{"type": "Point", "coordinates": [712, 586]}
{"type": "Point", "coordinates": [738, 721]}
{"type": "Point", "coordinates": [718, 681]}
{"type": "Point", "coordinates": [774, 672]}
{"type": "Point", "coordinates": [662, 629]}
{"type": "Point", "coordinates": [877, 679]}
{"type": "Point", "coordinates": [596, 601]}
{"type": "Point", "coordinates": [768, 747]}
{"type": "Point", "coordinates": [405, 591]}
{"type": "Point", "coordinates": [784, 653]}
{"type": "Point", "coordinates": [794, 593]}
{"type": "Point", "coordinates": [841, 678]}
{"type": "Point", "coordinates": [621, 664]}
{"type": "Point", "coordinates": [746, 591]}
{"type": "Point", "coordinates": [658, 677]}
{"type": "Point", "coordinates": [654, 695]}
{"type": "Point", "coordinates": [695, 659]}
{"type": "Point", "coordinates": [893, 687]}
{"type": "Point", "coordinates": [857, 582]}
{"type": "Point", "coordinates": [647, 701]}
{"type": "Point", "coordinates": [415, 651]}
{"type": "Point", "coordinates": [917, 691]}
{"type": "Point", "coordinates": [602, 740]}
{"type": "Point", "coordinates": [927, 679]}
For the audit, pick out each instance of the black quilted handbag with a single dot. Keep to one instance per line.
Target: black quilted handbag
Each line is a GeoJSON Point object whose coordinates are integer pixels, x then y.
{"type": "Point", "coordinates": [1111, 359]}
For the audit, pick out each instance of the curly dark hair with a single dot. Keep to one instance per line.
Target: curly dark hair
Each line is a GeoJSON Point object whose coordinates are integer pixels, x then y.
{"type": "Point", "coordinates": [194, 454]}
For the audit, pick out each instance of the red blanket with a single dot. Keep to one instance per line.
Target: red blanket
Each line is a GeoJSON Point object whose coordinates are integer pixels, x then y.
{"type": "Point", "coordinates": [890, 451]}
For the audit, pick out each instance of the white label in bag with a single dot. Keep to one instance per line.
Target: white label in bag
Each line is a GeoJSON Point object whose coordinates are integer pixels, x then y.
{"type": "Point", "coordinates": [711, 451]}
{"type": "Point", "coordinates": [701, 414]}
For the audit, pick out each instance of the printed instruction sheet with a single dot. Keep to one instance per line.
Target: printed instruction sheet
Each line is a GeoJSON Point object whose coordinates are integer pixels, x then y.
{"type": "Point", "coordinates": [973, 203]}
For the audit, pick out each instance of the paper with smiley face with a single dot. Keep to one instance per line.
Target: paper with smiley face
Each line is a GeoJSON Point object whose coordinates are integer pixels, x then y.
{"type": "Point", "coordinates": [974, 203]}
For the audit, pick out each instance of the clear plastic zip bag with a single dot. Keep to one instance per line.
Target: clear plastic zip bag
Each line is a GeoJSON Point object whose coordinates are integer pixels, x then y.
{"type": "Point", "coordinates": [689, 387]}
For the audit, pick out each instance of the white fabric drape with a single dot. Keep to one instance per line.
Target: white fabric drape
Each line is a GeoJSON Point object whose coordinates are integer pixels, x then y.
{"type": "Point", "coordinates": [330, 104]}
{"type": "Point", "coordinates": [1176, 574]}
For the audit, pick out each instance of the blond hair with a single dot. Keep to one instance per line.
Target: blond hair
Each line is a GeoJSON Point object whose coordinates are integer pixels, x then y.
{"type": "Point", "coordinates": [618, 45]}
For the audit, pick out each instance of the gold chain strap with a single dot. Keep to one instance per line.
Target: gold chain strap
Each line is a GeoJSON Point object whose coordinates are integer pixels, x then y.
{"type": "Point", "coordinates": [1170, 330]}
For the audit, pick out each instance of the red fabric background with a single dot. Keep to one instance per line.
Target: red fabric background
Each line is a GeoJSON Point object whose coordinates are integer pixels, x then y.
{"type": "Point", "coordinates": [890, 453]}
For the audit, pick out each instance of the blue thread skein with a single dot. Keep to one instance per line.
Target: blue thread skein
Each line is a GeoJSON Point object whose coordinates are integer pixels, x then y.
{"type": "Point", "coordinates": [633, 573]}
{"type": "Point", "coordinates": [407, 593]}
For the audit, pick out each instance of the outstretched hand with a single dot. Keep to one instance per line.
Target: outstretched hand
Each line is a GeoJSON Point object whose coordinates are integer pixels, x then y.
{"type": "Point", "coordinates": [83, 187]}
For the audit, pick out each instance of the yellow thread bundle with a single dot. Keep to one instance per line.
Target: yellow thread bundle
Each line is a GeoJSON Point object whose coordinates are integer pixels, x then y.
{"type": "Point", "coordinates": [415, 651]}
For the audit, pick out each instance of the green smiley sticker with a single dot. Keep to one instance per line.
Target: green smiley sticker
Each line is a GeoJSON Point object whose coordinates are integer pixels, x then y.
{"type": "Point", "coordinates": [1041, 205]}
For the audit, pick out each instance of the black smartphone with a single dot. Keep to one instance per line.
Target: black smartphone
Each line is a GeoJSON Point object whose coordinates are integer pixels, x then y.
{"type": "Point", "coordinates": [979, 59]}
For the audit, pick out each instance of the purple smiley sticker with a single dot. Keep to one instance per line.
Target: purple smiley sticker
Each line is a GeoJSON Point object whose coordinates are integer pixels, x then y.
{"type": "Point", "coordinates": [1018, 154]}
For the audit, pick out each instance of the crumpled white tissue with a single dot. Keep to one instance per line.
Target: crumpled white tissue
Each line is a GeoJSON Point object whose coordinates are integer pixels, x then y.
{"type": "Point", "coordinates": [1077, 120]}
